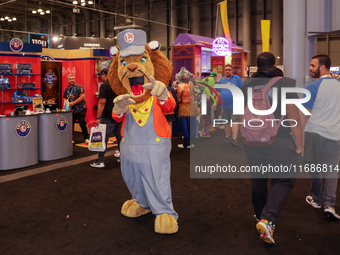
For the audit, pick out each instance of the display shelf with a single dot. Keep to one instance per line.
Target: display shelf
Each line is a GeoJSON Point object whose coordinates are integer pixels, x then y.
{"type": "Point", "coordinates": [20, 89]}
{"type": "Point", "coordinates": [14, 103]}
{"type": "Point", "coordinates": [2, 91]}
{"type": "Point", "coordinates": [17, 74]}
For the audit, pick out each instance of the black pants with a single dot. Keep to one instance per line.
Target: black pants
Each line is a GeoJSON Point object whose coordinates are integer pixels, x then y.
{"type": "Point", "coordinates": [80, 116]}
{"type": "Point", "coordinates": [267, 204]}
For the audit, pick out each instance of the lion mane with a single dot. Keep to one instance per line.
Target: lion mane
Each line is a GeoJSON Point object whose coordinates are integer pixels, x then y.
{"type": "Point", "coordinates": [161, 66]}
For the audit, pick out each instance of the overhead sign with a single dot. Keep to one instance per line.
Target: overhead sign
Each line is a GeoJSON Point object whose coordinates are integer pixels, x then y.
{"type": "Point", "coordinates": [73, 43]}
{"type": "Point", "coordinates": [42, 39]}
{"type": "Point", "coordinates": [221, 46]}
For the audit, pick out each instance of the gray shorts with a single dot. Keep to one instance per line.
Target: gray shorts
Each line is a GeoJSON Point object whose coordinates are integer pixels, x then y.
{"type": "Point", "coordinates": [227, 114]}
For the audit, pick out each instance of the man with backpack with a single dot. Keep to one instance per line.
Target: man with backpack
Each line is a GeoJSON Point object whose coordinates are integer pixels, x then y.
{"type": "Point", "coordinates": [283, 148]}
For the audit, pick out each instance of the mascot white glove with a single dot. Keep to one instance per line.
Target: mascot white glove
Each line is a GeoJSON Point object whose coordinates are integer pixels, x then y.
{"type": "Point", "coordinates": [121, 103]}
{"type": "Point", "coordinates": [158, 89]}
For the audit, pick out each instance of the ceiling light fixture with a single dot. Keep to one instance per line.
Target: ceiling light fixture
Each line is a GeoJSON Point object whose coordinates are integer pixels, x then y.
{"type": "Point", "coordinates": [8, 19]}
{"type": "Point", "coordinates": [75, 2]}
{"type": "Point", "coordinates": [41, 11]}
{"type": "Point", "coordinates": [90, 2]}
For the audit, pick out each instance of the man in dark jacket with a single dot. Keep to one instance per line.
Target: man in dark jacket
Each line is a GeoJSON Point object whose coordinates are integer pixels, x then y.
{"type": "Point", "coordinates": [104, 116]}
{"type": "Point", "coordinates": [285, 151]}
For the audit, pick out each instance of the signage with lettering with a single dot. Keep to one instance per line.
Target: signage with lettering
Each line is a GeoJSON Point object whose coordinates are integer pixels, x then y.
{"type": "Point", "coordinates": [221, 47]}
{"type": "Point", "coordinates": [42, 39]}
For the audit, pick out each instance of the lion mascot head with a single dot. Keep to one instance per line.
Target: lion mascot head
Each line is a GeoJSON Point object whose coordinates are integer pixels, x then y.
{"type": "Point", "coordinates": [133, 62]}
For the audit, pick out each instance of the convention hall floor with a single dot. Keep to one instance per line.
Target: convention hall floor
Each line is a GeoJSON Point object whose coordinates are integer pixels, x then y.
{"type": "Point", "coordinates": [66, 207]}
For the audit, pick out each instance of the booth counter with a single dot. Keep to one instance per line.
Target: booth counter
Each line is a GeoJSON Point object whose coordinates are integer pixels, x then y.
{"type": "Point", "coordinates": [55, 135]}
{"type": "Point", "coordinates": [19, 141]}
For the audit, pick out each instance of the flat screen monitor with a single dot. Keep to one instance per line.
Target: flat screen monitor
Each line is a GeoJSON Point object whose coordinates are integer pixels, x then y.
{"type": "Point", "coordinates": [52, 107]}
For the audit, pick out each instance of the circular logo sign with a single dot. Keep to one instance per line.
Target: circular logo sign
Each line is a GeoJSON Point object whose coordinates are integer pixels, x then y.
{"type": "Point", "coordinates": [23, 128]}
{"type": "Point", "coordinates": [129, 37]}
{"type": "Point", "coordinates": [221, 46]}
{"type": "Point", "coordinates": [50, 79]}
{"type": "Point", "coordinates": [61, 123]}
{"type": "Point", "coordinates": [47, 58]}
{"type": "Point", "coordinates": [16, 44]}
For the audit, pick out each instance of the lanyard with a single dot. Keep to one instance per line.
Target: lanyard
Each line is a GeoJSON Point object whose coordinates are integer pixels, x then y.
{"type": "Point", "coordinates": [70, 93]}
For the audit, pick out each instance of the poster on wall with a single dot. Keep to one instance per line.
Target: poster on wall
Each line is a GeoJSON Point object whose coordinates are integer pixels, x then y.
{"type": "Point", "coordinates": [101, 64]}
{"type": "Point", "coordinates": [51, 77]}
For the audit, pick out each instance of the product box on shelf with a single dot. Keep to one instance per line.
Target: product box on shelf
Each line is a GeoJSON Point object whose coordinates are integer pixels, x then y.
{"type": "Point", "coordinates": [5, 69]}
{"type": "Point", "coordinates": [24, 69]}
{"type": "Point", "coordinates": [21, 97]}
{"type": "Point", "coordinates": [30, 85]}
{"type": "Point", "coordinates": [4, 83]}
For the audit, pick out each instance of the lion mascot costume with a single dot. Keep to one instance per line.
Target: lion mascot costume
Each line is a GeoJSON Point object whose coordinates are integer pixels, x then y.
{"type": "Point", "coordinates": [138, 74]}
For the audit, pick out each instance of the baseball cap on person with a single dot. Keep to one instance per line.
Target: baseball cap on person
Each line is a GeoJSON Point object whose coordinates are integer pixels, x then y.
{"type": "Point", "coordinates": [104, 71]}
{"type": "Point", "coordinates": [131, 42]}
{"type": "Point", "coordinates": [213, 74]}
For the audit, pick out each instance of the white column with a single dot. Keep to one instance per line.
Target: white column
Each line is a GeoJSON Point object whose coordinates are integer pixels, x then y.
{"type": "Point", "coordinates": [294, 20]}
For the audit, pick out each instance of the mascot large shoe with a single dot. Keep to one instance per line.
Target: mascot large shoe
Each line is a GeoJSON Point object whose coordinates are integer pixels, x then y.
{"type": "Point", "coordinates": [138, 74]}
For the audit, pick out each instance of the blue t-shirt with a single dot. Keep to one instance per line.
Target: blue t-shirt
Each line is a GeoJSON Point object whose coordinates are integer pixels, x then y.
{"type": "Point", "coordinates": [226, 95]}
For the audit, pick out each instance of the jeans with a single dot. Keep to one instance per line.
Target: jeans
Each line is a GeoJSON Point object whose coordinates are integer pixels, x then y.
{"type": "Point", "coordinates": [188, 125]}
{"type": "Point", "coordinates": [111, 126]}
{"type": "Point", "coordinates": [80, 116]}
{"type": "Point", "coordinates": [331, 154]}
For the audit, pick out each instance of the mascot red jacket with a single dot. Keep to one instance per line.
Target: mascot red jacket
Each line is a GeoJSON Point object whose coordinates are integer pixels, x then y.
{"type": "Point", "coordinates": [138, 74]}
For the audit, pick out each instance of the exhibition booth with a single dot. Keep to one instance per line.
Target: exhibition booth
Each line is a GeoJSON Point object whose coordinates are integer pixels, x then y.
{"type": "Point", "coordinates": [33, 125]}
{"type": "Point", "coordinates": [195, 53]}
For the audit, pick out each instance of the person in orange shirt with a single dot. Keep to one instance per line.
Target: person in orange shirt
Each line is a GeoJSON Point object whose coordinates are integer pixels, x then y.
{"type": "Point", "coordinates": [188, 109]}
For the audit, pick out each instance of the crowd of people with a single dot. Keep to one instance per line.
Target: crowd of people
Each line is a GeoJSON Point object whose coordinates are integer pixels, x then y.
{"type": "Point", "coordinates": [315, 138]}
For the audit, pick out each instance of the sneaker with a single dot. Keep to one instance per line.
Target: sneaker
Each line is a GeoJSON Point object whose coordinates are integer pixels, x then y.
{"type": "Point", "coordinates": [188, 147]}
{"type": "Point", "coordinates": [330, 212]}
{"type": "Point", "coordinates": [227, 139]}
{"type": "Point", "coordinates": [98, 164]}
{"type": "Point", "coordinates": [87, 141]}
{"type": "Point", "coordinates": [233, 142]}
{"type": "Point", "coordinates": [212, 129]}
{"type": "Point", "coordinates": [266, 231]}
{"type": "Point", "coordinates": [310, 200]}
{"type": "Point", "coordinates": [205, 134]}
{"type": "Point", "coordinates": [117, 153]}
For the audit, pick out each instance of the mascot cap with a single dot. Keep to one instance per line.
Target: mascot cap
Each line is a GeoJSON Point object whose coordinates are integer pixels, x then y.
{"type": "Point", "coordinates": [131, 42]}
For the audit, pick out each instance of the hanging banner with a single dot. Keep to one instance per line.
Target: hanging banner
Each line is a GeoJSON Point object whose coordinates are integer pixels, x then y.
{"type": "Point", "coordinates": [224, 17]}
{"type": "Point", "coordinates": [265, 31]}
